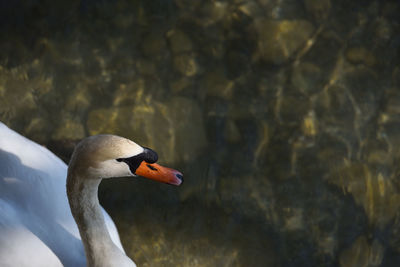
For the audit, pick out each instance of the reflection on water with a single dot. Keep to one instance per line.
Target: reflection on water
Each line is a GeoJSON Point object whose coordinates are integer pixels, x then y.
{"type": "Point", "coordinates": [283, 116]}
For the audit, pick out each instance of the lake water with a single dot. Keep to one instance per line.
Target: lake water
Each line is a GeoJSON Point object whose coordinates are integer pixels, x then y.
{"type": "Point", "coordinates": [283, 116]}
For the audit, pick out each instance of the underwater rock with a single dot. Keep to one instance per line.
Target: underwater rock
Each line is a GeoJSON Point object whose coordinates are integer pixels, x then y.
{"type": "Point", "coordinates": [376, 152]}
{"type": "Point", "coordinates": [332, 151]}
{"type": "Point", "coordinates": [363, 85]}
{"type": "Point", "coordinates": [318, 8]}
{"type": "Point", "coordinates": [186, 64]}
{"type": "Point", "coordinates": [357, 55]}
{"type": "Point", "coordinates": [154, 45]}
{"type": "Point", "coordinates": [21, 88]}
{"type": "Point", "coordinates": [279, 40]}
{"type": "Point", "coordinates": [79, 100]}
{"type": "Point", "coordinates": [250, 8]}
{"type": "Point", "coordinates": [310, 125]}
{"type": "Point", "coordinates": [287, 114]}
{"type": "Point", "coordinates": [334, 109]}
{"type": "Point", "coordinates": [146, 67]}
{"type": "Point", "coordinates": [187, 128]}
{"type": "Point", "coordinates": [211, 12]}
{"type": "Point", "coordinates": [375, 191]}
{"type": "Point", "coordinates": [308, 78]}
{"type": "Point", "coordinates": [389, 120]}
{"type": "Point", "coordinates": [390, 131]}
{"type": "Point", "coordinates": [70, 128]}
{"type": "Point", "coordinates": [123, 20]}
{"type": "Point", "coordinates": [231, 131]}
{"type": "Point", "coordinates": [180, 84]}
{"type": "Point", "coordinates": [383, 30]}
{"type": "Point", "coordinates": [38, 129]}
{"type": "Point", "coordinates": [187, 4]}
{"type": "Point", "coordinates": [130, 93]}
{"type": "Point", "coordinates": [362, 253]}
{"type": "Point", "coordinates": [218, 85]}
{"type": "Point", "coordinates": [179, 42]}
{"type": "Point", "coordinates": [396, 76]}
{"type": "Point", "coordinates": [392, 102]}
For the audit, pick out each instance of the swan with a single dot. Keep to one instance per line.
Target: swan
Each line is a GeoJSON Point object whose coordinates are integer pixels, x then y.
{"type": "Point", "coordinates": [50, 213]}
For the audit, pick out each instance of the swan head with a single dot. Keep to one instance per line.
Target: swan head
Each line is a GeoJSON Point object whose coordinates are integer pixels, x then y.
{"type": "Point", "coordinates": [108, 156]}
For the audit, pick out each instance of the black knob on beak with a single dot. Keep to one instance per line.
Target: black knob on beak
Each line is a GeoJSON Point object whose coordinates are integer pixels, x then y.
{"type": "Point", "coordinates": [149, 155]}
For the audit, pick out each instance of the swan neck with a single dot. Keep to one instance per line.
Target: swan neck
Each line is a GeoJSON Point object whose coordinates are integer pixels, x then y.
{"type": "Point", "coordinates": [86, 210]}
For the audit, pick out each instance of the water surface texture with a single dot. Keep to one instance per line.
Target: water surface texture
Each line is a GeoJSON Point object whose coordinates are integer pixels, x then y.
{"type": "Point", "coordinates": [283, 116]}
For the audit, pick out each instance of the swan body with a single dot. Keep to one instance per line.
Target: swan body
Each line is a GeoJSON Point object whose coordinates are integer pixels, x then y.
{"type": "Point", "coordinates": [42, 223]}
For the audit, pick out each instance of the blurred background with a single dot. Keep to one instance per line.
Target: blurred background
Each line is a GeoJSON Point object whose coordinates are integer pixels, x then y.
{"type": "Point", "coordinates": [283, 116]}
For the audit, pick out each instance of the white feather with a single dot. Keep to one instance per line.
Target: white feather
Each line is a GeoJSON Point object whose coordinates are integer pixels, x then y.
{"type": "Point", "coordinates": [36, 225]}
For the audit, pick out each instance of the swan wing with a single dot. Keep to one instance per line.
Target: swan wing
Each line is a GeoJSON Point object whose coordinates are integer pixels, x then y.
{"type": "Point", "coordinates": [36, 224]}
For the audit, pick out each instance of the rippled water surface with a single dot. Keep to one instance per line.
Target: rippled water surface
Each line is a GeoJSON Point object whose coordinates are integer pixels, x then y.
{"type": "Point", "coordinates": [283, 116]}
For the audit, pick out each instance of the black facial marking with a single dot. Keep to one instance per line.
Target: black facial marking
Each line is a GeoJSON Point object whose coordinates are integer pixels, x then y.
{"type": "Point", "coordinates": [133, 162]}
{"type": "Point", "coordinates": [147, 155]}
{"type": "Point", "coordinates": [151, 167]}
{"type": "Point", "coordinates": [150, 155]}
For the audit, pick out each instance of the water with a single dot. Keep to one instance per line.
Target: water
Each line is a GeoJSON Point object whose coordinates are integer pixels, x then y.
{"type": "Point", "coordinates": [282, 115]}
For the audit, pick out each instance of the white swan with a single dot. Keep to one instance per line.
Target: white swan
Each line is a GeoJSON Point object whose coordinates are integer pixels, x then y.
{"type": "Point", "coordinates": [36, 224]}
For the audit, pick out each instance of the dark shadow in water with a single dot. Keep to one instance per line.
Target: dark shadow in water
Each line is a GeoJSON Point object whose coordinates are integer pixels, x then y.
{"type": "Point", "coordinates": [182, 232]}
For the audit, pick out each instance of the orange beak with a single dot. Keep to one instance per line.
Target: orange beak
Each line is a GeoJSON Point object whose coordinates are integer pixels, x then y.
{"type": "Point", "coordinates": [159, 173]}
